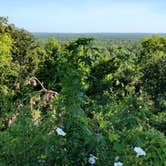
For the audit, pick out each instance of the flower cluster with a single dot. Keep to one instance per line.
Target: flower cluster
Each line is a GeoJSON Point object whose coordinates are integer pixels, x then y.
{"type": "Point", "coordinates": [139, 151]}
{"type": "Point", "coordinates": [118, 164]}
{"type": "Point", "coordinates": [60, 131]}
{"type": "Point", "coordinates": [92, 159]}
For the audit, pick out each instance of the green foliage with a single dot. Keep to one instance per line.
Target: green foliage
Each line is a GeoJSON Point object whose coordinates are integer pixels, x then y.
{"type": "Point", "coordinates": [103, 101]}
{"type": "Point", "coordinates": [5, 55]}
{"type": "Point", "coordinates": [153, 70]}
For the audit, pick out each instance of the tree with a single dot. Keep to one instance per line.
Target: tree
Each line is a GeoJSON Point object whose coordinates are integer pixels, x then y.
{"type": "Point", "coordinates": [153, 58]}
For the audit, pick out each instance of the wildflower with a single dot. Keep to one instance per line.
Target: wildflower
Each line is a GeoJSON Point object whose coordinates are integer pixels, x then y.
{"type": "Point", "coordinates": [118, 164]}
{"type": "Point", "coordinates": [60, 131]}
{"type": "Point", "coordinates": [139, 151]}
{"type": "Point", "coordinates": [92, 159]}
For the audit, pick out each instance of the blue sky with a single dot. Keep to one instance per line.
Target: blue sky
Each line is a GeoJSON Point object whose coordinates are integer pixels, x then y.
{"type": "Point", "coordinates": [86, 15]}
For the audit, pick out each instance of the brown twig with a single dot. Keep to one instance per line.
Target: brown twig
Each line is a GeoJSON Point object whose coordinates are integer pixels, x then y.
{"type": "Point", "coordinates": [43, 88]}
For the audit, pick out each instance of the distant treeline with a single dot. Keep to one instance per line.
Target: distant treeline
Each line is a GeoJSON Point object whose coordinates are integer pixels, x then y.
{"type": "Point", "coordinates": [98, 36]}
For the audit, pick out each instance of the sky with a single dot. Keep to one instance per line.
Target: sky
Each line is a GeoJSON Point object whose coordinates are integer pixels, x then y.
{"type": "Point", "coordinates": [86, 16]}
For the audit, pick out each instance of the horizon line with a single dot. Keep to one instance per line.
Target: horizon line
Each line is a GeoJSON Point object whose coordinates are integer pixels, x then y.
{"type": "Point", "coordinates": [102, 32]}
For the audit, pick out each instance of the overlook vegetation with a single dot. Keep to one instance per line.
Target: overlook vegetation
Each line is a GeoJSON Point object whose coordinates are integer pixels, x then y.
{"type": "Point", "coordinates": [80, 103]}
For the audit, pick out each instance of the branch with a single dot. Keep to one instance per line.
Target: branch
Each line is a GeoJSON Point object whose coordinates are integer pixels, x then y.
{"type": "Point", "coordinates": [43, 88]}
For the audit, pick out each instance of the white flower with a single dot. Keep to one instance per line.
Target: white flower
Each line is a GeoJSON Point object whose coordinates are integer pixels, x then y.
{"type": "Point", "coordinates": [139, 151]}
{"type": "Point", "coordinates": [60, 131]}
{"type": "Point", "coordinates": [92, 159]}
{"type": "Point", "coordinates": [118, 164]}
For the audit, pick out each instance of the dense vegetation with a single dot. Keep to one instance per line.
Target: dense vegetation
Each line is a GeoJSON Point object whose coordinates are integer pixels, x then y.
{"type": "Point", "coordinates": [78, 103]}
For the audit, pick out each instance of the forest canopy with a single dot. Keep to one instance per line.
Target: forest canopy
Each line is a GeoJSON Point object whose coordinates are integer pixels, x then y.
{"type": "Point", "coordinates": [80, 103]}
